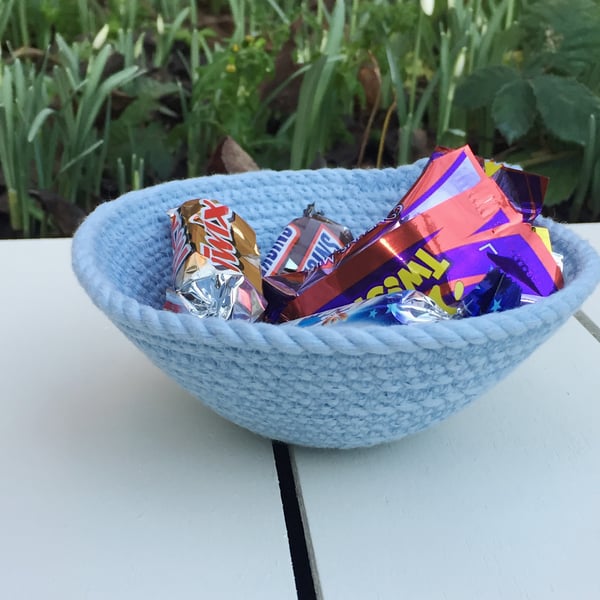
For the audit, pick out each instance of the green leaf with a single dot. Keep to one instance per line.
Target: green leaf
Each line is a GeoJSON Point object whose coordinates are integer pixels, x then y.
{"type": "Point", "coordinates": [513, 109]}
{"type": "Point", "coordinates": [5, 14]}
{"type": "Point", "coordinates": [106, 87]}
{"type": "Point", "coordinates": [81, 155]}
{"type": "Point", "coordinates": [303, 115]}
{"type": "Point", "coordinates": [148, 87]}
{"type": "Point", "coordinates": [563, 172]}
{"type": "Point", "coordinates": [117, 79]}
{"type": "Point", "coordinates": [397, 82]}
{"type": "Point", "coordinates": [95, 69]}
{"type": "Point", "coordinates": [336, 28]}
{"type": "Point", "coordinates": [565, 106]}
{"type": "Point", "coordinates": [594, 196]}
{"type": "Point", "coordinates": [280, 13]}
{"type": "Point", "coordinates": [8, 99]}
{"type": "Point", "coordinates": [7, 126]}
{"type": "Point", "coordinates": [309, 125]}
{"type": "Point", "coordinates": [38, 121]}
{"type": "Point", "coordinates": [480, 88]}
{"type": "Point", "coordinates": [176, 26]}
{"type": "Point", "coordinates": [69, 55]}
{"type": "Point", "coordinates": [561, 36]}
{"type": "Point", "coordinates": [20, 84]}
{"type": "Point", "coordinates": [491, 35]}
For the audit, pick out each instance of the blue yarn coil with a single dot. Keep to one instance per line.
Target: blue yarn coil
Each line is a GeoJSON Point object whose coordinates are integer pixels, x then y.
{"type": "Point", "coordinates": [323, 386]}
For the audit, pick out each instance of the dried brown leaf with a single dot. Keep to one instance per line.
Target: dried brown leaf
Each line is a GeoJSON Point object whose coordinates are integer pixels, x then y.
{"type": "Point", "coordinates": [65, 216]}
{"type": "Point", "coordinates": [229, 157]}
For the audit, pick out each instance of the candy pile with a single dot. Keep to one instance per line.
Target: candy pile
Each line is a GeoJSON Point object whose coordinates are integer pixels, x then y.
{"type": "Point", "coordinates": [460, 243]}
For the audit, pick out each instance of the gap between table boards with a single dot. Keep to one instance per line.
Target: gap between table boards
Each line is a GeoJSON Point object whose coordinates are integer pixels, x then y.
{"type": "Point", "coordinates": [588, 324]}
{"type": "Point", "coordinates": [301, 551]}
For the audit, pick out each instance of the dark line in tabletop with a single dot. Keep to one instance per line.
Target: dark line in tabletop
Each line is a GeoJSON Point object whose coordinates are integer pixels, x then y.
{"type": "Point", "coordinates": [588, 324]}
{"type": "Point", "coordinates": [301, 564]}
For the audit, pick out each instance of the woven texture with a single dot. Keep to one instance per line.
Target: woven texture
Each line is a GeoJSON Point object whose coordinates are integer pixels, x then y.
{"type": "Point", "coordinates": [323, 386]}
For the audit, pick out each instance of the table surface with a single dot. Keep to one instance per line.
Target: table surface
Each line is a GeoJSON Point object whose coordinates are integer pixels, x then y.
{"type": "Point", "coordinates": [500, 501]}
{"type": "Point", "coordinates": [591, 232]}
{"type": "Point", "coordinates": [115, 483]}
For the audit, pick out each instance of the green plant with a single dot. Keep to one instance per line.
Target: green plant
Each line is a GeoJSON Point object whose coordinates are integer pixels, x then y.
{"type": "Point", "coordinates": [31, 23]}
{"type": "Point", "coordinates": [409, 110]}
{"type": "Point", "coordinates": [311, 121]}
{"type": "Point", "coordinates": [53, 129]}
{"type": "Point", "coordinates": [132, 93]}
{"type": "Point", "coordinates": [544, 100]}
{"type": "Point", "coordinates": [166, 34]}
{"type": "Point", "coordinates": [136, 131]}
{"type": "Point", "coordinates": [224, 100]}
{"type": "Point", "coordinates": [125, 13]}
{"type": "Point", "coordinates": [134, 180]}
{"type": "Point", "coordinates": [23, 110]}
{"type": "Point", "coordinates": [476, 36]}
{"type": "Point", "coordinates": [83, 100]}
{"type": "Point", "coordinates": [6, 9]}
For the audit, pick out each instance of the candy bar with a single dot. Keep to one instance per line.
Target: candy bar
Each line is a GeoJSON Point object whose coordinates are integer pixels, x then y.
{"type": "Point", "coordinates": [216, 263]}
{"type": "Point", "coordinates": [399, 308]}
{"type": "Point", "coordinates": [305, 242]}
{"type": "Point", "coordinates": [442, 238]}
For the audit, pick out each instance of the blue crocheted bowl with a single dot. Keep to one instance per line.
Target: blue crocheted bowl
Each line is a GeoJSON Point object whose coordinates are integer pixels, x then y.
{"type": "Point", "coordinates": [323, 386]}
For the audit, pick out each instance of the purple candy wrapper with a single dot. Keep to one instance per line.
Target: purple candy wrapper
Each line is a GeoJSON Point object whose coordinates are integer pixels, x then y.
{"type": "Point", "coordinates": [442, 238]}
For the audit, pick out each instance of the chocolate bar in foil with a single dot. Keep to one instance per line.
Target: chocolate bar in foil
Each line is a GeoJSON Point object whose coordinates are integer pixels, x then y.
{"type": "Point", "coordinates": [442, 238]}
{"type": "Point", "coordinates": [216, 263]}
{"type": "Point", "coordinates": [408, 307]}
{"type": "Point", "coordinates": [305, 242]}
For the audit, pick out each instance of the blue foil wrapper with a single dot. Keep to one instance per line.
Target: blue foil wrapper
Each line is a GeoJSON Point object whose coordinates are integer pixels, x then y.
{"type": "Point", "coordinates": [494, 293]}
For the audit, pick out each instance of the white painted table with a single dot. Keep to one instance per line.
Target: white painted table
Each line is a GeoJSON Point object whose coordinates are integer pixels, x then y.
{"type": "Point", "coordinates": [114, 483]}
{"type": "Point", "coordinates": [591, 232]}
{"type": "Point", "coordinates": [501, 501]}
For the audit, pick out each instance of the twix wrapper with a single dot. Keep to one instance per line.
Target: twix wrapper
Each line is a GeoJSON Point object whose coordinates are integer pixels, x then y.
{"type": "Point", "coordinates": [442, 238]}
{"type": "Point", "coordinates": [216, 263]}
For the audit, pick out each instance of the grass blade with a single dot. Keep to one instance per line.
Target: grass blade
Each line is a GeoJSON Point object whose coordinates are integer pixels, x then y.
{"type": "Point", "coordinates": [38, 121]}
{"type": "Point", "coordinates": [81, 155]}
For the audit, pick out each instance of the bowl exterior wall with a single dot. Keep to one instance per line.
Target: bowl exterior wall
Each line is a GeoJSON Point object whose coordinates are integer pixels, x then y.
{"type": "Point", "coordinates": [325, 386]}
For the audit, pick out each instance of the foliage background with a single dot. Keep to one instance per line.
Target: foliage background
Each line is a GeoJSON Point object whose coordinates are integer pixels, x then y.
{"type": "Point", "coordinates": [100, 97]}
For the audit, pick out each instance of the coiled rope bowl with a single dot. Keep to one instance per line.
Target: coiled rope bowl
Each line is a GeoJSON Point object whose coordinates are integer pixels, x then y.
{"type": "Point", "coordinates": [321, 386]}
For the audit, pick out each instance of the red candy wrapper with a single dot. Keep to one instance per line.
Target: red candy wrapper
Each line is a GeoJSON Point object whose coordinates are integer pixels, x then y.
{"type": "Point", "coordinates": [442, 238]}
{"type": "Point", "coordinates": [216, 263]}
{"type": "Point", "coordinates": [304, 243]}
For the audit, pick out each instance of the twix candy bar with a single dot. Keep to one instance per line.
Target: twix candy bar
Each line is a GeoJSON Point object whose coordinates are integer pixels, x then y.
{"type": "Point", "coordinates": [442, 238]}
{"type": "Point", "coordinates": [216, 263]}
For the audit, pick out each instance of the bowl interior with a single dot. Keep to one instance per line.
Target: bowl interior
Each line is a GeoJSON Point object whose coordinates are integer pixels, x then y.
{"type": "Point", "coordinates": [124, 247]}
{"type": "Point", "coordinates": [136, 239]}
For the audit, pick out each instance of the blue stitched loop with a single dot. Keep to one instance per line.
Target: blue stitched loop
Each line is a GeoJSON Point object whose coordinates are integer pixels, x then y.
{"type": "Point", "coordinates": [323, 387]}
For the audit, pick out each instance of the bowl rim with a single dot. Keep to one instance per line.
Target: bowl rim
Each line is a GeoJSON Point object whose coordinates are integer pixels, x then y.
{"type": "Point", "coordinates": [130, 313]}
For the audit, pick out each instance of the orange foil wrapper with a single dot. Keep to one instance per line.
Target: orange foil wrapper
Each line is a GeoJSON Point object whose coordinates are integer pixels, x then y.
{"type": "Point", "coordinates": [216, 263]}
